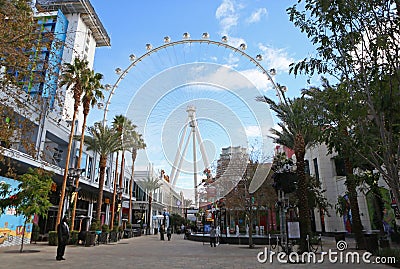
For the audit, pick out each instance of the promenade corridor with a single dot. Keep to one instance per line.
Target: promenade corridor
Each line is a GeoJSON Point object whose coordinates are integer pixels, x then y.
{"type": "Point", "coordinates": [149, 252]}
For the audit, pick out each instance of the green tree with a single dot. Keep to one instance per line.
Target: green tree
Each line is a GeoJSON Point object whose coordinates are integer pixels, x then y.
{"type": "Point", "coordinates": [18, 39]}
{"type": "Point", "coordinates": [103, 141]}
{"type": "Point", "coordinates": [334, 109]}
{"type": "Point", "coordinates": [124, 127]}
{"type": "Point", "coordinates": [135, 142]}
{"type": "Point", "coordinates": [298, 132]}
{"type": "Point", "coordinates": [92, 93]}
{"type": "Point", "coordinates": [74, 77]}
{"type": "Point", "coordinates": [32, 197]}
{"type": "Point", "coordinates": [357, 42]}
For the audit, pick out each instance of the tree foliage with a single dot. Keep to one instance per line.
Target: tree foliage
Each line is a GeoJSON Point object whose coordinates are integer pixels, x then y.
{"type": "Point", "coordinates": [357, 43]}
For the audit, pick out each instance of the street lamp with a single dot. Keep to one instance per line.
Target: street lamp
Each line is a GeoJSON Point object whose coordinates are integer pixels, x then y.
{"type": "Point", "coordinates": [142, 206]}
{"type": "Point", "coordinates": [119, 202]}
{"type": "Point", "coordinates": [73, 176]}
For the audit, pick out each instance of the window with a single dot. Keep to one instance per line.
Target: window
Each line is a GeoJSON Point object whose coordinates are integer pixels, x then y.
{"type": "Point", "coordinates": [307, 167]}
{"type": "Point", "coordinates": [340, 167]}
{"type": "Point", "coordinates": [89, 168]}
{"type": "Point", "coordinates": [316, 169]}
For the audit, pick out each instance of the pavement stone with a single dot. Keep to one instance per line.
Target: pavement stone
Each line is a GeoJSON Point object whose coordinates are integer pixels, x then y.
{"type": "Point", "coordinates": [149, 252]}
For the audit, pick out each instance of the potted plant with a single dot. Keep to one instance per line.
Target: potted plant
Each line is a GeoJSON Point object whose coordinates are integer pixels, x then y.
{"type": "Point", "coordinates": [35, 233]}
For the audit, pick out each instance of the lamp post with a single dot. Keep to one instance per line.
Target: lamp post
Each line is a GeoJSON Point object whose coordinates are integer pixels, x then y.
{"type": "Point", "coordinates": [119, 202]}
{"type": "Point", "coordinates": [73, 176]}
{"type": "Point", "coordinates": [142, 206]}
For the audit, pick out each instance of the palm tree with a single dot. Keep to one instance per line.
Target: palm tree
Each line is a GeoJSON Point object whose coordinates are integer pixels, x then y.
{"type": "Point", "coordinates": [103, 141]}
{"type": "Point", "coordinates": [73, 76]}
{"type": "Point", "coordinates": [123, 126]}
{"type": "Point", "coordinates": [136, 143]}
{"type": "Point", "coordinates": [297, 133]}
{"type": "Point", "coordinates": [91, 94]}
{"type": "Point", "coordinates": [150, 184]}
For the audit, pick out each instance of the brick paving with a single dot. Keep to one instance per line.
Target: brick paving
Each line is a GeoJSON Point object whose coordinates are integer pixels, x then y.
{"type": "Point", "coordinates": [149, 252]}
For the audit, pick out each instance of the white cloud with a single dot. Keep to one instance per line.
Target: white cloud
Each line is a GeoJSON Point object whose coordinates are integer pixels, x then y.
{"type": "Point", "coordinates": [227, 15]}
{"type": "Point", "coordinates": [276, 58]}
{"type": "Point", "coordinates": [235, 41]}
{"type": "Point", "coordinates": [258, 79]}
{"type": "Point", "coordinates": [256, 15]}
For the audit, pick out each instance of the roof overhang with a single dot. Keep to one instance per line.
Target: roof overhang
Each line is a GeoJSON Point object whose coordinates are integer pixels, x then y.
{"type": "Point", "coordinates": [86, 11]}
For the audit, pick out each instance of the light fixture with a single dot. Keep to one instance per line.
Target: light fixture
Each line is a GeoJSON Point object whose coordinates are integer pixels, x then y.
{"type": "Point", "coordinates": [167, 39]}
{"type": "Point", "coordinates": [272, 72]}
{"type": "Point", "coordinates": [283, 88]}
{"type": "Point", "coordinates": [186, 35]}
{"type": "Point", "coordinates": [149, 46]}
{"type": "Point", "coordinates": [132, 57]}
{"type": "Point", "coordinates": [118, 71]}
{"type": "Point", "coordinates": [259, 57]}
{"type": "Point", "coordinates": [224, 39]}
{"type": "Point", "coordinates": [243, 46]}
{"type": "Point", "coordinates": [205, 36]}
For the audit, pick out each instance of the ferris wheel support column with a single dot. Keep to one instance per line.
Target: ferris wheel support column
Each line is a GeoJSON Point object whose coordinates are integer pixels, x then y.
{"type": "Point", "coordinates": [178, 152]}
{"type": "Point", "coordinates": [179, 167]}
{"type": "Point", "coordinates": [202, 149]}
{"type": "Point", "coordinates": [196, 200]}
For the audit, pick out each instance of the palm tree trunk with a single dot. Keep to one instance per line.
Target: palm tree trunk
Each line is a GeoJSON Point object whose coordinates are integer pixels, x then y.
{"type": "Point", "coordinates": [302, 193]}
{"type": "Point", "coordinates": [78, 164]}
{"type": "Point", "coordinates": [121, 176]}
{"type": "Point", "coordinates": [64, 184]}
{"type": "Point", "coordinates": [114, 193]}
{"type": "Point", "coordinates": [103, 164]}
{"type": "Point", "coordinates": [149, 214]}
{"type": "Point", "coordinates": [355, 211]}
{"type": "Point", "coordinates": [130, 190]}
{"type": "Point", "coordinates": [134, 154]}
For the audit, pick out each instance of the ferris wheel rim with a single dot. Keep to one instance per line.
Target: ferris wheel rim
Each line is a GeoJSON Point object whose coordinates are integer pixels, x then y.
{"type": "Point", "coordinates": [179, 42]}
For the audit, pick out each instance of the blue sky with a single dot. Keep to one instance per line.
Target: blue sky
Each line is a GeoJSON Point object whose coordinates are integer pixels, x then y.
{"type": "Point", "coordinates": [155, 93]}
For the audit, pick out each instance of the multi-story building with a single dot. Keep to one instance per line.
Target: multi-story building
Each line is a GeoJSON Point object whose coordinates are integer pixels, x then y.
{"type": "Point", "coordinates": [66, 29]}
{"type": "Point", "coordinates": [329, 170]}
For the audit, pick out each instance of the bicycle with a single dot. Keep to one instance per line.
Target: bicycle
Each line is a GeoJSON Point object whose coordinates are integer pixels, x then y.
{"type": "Point", "coordinates": [314, 244]}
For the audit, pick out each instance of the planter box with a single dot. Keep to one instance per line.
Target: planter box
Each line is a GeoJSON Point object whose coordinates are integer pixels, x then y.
{"type": "Point", "coordinates": [90, 239]}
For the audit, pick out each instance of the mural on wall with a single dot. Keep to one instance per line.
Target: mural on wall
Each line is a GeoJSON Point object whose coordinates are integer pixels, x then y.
{"type": "Point", "coordinates": [347, 216]}
{"type": "Point", "coordinates": [12, 225]}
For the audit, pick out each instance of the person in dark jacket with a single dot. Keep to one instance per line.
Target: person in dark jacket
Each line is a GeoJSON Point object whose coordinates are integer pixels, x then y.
{"type": "Point", "coordinates": [162, 231]}
{"type": "Point", "coordinates": [63, 236]}
{"type": "Point", "coordinates": [169, 232]}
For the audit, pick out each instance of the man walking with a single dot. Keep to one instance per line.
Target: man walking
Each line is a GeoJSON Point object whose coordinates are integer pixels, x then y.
{"type": "Point", "coordinates": [63, 236]}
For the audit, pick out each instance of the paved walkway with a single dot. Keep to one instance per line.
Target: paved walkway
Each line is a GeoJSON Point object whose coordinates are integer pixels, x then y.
{"type": "Point", "coordinates": [149, 252]}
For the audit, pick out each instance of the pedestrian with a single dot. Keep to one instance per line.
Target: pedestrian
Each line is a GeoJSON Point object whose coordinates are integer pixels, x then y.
{"type": "Point", "coordinates": [169, 233]}
{"type": "Point", "coordinates": [213, 238]}
{"type": "Point", "coordinates": [63, 236]}
{"type": "Point", "coordinates": [218, 232]}
{"type": "Point", "coordinates": [162, 231]}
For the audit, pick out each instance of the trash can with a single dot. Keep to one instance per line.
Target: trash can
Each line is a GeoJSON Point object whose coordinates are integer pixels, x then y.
{"type": "Point", "coordinates": [155, 230]}
{"type": "Point", "coordinates": [340, 236]}
{"type": "Point", "coordinates": [371, 242]}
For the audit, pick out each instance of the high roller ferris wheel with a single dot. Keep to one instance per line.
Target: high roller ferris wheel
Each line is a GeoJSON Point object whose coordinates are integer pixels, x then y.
{"type": "Point", "coordinates": [170, 95]}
